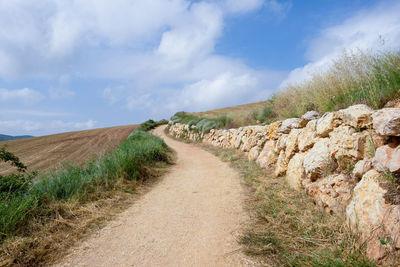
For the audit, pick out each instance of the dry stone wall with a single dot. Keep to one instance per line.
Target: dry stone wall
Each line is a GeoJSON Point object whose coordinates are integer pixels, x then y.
{"type": "Point", "coordinates": [340, 159]}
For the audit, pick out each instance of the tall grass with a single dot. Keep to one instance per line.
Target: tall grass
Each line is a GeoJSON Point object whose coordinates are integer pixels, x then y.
{"type": "Point", "coordinates": [353, 78]}
{"type": "Point", "coordinates": [129, 162]}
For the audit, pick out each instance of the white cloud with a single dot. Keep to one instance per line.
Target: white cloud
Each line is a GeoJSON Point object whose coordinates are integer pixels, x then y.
{"type": "Point", "coordinates": [242, 6]}
{"type": "Point", "coordinates": [372, 29]}
{"type": "Point", "coordinates": [58, 124]}
{"type": "Point", "coordinates": [39, 38]}
{"type": "Point", "coordinates": [18, 127]}
{"type": "Point", "coordinates": [25, 95]}
{"type": "Point", "coordinates": [194, 36]}
{"type": "Point", "coordinates": [59, 93]}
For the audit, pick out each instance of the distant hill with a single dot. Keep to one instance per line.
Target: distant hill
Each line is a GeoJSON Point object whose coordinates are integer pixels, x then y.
{"type": "Point", "coordinates": [242, 115]}
{"type": "Point", "coordinates": [4, 137]}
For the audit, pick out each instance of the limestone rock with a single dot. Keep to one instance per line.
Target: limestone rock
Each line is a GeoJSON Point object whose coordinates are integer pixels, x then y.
{"type": "Point", "coordinates": [346, 142]}
{"type": "Point", "coordinates": [387, 121]}
{"type": "Point", "coordinates": [238, 141]}
{"type": "Point", "coordinates": [361, 168]}
{"type": "Point", "coordinates": [310, 115]}
{"type": "Point", "coordinates": [292, 143]}
{"type": "Point", "coordinates": [289, 124]}
{"type": "Point", "coordinates": [272, 131]}
{"type": "Point", "coordinates": [281, 165]}
{"type": "Point", "coordinates": [307, 137]}
{"type": "Point", "coordinates": [295, 171]}
{"type": "Point", "coordinates": [387, 157]}
{"type": "Point", "coordinates": [326, 124]}
{"type": "Point", "coordinates": [281, 143]}
{"type": "Point", "coordinates": [253, 154]}
{"type": "Point", "coordinates": [377, 220]}
{"type": "Point", "coordinates": [267, 157]}
{"type": "Point", "coordinates": [317, 159]}
{"type": "Point", "coordinates": [358, 116]}
{"type": "Point", "coordinates": [332, 193]}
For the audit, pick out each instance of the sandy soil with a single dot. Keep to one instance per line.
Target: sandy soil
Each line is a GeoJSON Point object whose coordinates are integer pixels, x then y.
{"type": "Point", "coordinates": [189, 218]}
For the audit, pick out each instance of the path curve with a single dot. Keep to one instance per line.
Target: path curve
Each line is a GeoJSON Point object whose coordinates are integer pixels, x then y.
{"type": "Point", "coordinates": [188, 219]}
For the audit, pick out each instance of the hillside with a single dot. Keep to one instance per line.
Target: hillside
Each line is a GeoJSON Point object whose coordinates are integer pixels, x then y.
{"type": "Point", "coordinates": [241, 115]}
{"type": "Point", "coordinates": [4, 137]}
{"type": "Point", "coordinates": [45, 152]}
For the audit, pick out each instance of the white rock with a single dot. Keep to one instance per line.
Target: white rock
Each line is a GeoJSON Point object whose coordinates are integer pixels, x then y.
{"type": "Point", "coordinates": [358, 116]}
{"type": "Point", "coordinates": [387, 121]}
{"type": "Point", "coordinates": [317, 159]}
{"type": "Point", "coordinates": [295, 171]}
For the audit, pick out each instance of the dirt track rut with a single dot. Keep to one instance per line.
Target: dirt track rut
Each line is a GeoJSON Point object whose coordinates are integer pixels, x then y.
{"type": "Point", "coordinates": [189, 218]}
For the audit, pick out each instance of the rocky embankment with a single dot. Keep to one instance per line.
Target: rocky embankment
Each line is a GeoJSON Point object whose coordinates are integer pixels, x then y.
{"type": "Point", "coordinates": [345, 160]}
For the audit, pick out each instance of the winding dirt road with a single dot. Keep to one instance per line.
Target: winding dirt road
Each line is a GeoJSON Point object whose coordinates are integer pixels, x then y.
{"type": "Point", "coordinates": [188, 219]}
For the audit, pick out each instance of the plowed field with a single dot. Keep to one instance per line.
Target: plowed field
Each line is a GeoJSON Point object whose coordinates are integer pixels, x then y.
{"type": "Point", "coordinates": [47, 152]}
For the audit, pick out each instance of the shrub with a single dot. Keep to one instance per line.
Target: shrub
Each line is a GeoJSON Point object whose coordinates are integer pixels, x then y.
{"type": "Point", "coordinates": [150, 124]}
{"type": "Point", "coordinates": [202, 124]}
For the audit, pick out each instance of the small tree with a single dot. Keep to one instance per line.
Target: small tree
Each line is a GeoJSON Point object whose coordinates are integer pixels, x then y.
{"type": "Point", "coordinates": [8, 156]}
{"type": "Point", "coordinates": [14, 183]}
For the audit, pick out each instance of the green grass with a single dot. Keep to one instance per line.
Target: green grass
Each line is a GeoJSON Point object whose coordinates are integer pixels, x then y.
{"type": "Point", "coordinates": [131, 161]}
{"type": "Point", "coordinates": [150, 124]}
{"type": "Point", "coordinates": [353, 78]}
{"type": "Point", "coordinates": [286, 227]}
{"type": "Point", "coordinates": [202, 124]}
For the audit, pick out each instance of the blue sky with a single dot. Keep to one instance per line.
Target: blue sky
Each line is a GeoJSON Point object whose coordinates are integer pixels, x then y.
{"type": "Point", "coordinates": [81, 64]}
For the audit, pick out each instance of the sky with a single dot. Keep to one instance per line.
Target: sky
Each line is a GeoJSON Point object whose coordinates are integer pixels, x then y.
{"type": "Point", "coordinates": [82, 64]}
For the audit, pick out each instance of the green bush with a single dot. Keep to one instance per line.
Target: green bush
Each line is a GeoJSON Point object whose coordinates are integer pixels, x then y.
{"type": "Point", "coordinates": [150, 124]}
{"type": "Point", "coordinates": [202, 124]}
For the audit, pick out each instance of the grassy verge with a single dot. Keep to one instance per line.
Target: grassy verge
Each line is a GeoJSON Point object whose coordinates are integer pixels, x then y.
{"type": "Point", "coordinates": [286, 228]}
{"type": "Point", "coordinates": [202, 124]}
{"type": "Point", "coordinates": [354, 78]}
{"type": "Point", "coordinates": [49, 207]}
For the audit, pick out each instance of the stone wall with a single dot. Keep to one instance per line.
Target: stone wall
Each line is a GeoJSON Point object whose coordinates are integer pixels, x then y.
{"type": "Point", "coordinates": [340, 159]}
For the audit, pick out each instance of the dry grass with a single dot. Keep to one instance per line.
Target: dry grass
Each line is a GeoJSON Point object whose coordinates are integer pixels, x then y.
{"type": "Point", "coordinates": [287, 229]}
{"type": "Point", "coordinates": [47, 152]}
{"type": "Point", "coordinates": [242, 115]}
{"type": "Point", "coordinates": [371, 78]}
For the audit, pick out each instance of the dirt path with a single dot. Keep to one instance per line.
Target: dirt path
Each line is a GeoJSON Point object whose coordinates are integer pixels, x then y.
{"type": "Point", "coordinates": [188, 219]}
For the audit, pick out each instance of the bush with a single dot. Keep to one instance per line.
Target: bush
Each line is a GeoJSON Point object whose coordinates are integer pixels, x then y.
{"type": "Point", "coordinates": [202, 124]}
{"type": "Point", "coordinates": [150, 124]}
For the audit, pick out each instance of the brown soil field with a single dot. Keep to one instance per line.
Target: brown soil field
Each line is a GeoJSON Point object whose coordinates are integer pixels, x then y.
{"type": "Point", "coordinates": [47, 152]}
